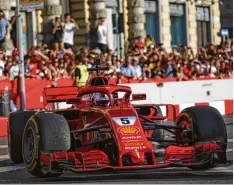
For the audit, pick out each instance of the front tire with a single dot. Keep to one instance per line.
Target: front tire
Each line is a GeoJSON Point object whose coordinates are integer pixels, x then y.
{"type": "Point", "coordinates": [47, 133]}
{"type": "Point", "coordinates": [16, 124]}
{"type": "Point", "coordinates": [205, 124]}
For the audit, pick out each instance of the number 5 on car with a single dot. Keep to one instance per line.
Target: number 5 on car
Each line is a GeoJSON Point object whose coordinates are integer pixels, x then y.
{"type": "Point", "coordinates": [123, 121]}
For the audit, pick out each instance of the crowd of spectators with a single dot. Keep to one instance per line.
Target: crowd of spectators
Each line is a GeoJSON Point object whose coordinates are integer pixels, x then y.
{"type": "Point", "coordinates": [145, 59]}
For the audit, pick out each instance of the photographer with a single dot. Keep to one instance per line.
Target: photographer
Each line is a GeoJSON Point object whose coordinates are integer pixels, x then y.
{"type": "Point", "coordinates": [58, 32]}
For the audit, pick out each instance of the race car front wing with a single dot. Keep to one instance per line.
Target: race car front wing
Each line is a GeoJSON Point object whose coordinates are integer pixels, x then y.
{"type": "Point", "coordinates": [96, 160]}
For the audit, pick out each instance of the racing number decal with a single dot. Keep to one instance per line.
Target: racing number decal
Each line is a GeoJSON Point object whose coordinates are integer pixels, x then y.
{"type": "Point", "coordinates": [125, 121]}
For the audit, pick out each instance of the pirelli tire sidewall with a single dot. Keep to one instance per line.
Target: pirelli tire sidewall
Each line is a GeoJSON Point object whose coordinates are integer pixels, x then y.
{"type": "Point", "coordinates": [45, 132]}
{"type": "Point", "coordinates": [186, 116]}
{"type": "Point", "coordinates": [33, 165]}
{"type": "Point", "coordinates": [16, 124]}
{"type": "Point", "coordinates": [207, 124]}
{"type": "Point", "coordinates": [9, 137]}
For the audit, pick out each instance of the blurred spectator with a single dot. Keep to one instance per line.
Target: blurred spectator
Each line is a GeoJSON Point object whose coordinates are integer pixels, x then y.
{"type": "Point", "coordinates": [170, 69]}
{"type": "Point", "coordinates": [213, 69]}
{"type": "Point", "coordinates": [102, 36]}
{"type": "Point", "coordinates": [14, 70]}
{"type": "Point", "coordinates": [2, 63]}
{"type": "Point", "coordinates": [58, 31]}
{"type": "Point", "coordinates": [137, 69]}
{"type": "Point", "coordinates": [140, 42]}
{"type": "Point", "coordinates": [13, 30]}
{"type": "Point", "coordinates": [27, 66]}
{"type": "Point", "coordinates": [157, 71]}
{"type": "Point", "coordinates": [127, 69]}
{"type": "Point", "coordinates": [227, 45]}
{"type": "Point", "coordinates": [81, 72]}
{"type": "Point", "coordinates": [146, 72]}
{"type": "Point", "coordinates": [4, 30]}
{"type": "Point", "coordinates": [70, 28]}
{"type": "Point", "coordinates": [149, 42]}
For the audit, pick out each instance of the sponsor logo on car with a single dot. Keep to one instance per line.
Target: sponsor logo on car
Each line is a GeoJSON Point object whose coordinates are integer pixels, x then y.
{"type": "Point", "coordinates": [134, 147]}
{"type": "Point", "coordinates": [125, 121]}
{"type": "Point", "coordinates": [128, 130]}
{"type": "Point", "coordinates": [131, 137]}
{"type": "Point", "coordinates": [134, 144]}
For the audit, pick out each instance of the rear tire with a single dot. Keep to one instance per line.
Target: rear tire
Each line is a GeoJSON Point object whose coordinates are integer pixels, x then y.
{"type": "Point", "coordinates": [207, 125]}
{"type": "Point", "coordinates": [47, 133]}
{"type": "Point", "coordinates": [16, 124]}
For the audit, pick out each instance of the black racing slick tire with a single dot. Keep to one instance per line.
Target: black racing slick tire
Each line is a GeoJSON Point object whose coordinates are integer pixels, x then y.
{"type": "Point", "coordinates": [207, 125]}
{"type": "Point", "coordinates": [44, 133]}
{"type": "Point", "coordinates": [16, 124]}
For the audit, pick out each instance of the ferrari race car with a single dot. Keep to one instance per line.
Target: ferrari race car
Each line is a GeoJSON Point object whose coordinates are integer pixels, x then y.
{"type": "Point", "coordinates": [104, 130]}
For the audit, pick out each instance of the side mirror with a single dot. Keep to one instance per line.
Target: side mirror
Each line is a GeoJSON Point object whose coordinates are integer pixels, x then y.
{"type": "Point", "coordinates": [137, 97]}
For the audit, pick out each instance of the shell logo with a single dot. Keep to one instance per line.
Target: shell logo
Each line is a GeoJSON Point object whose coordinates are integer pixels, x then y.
{"type": "Point", "coordinates": [128, 130]}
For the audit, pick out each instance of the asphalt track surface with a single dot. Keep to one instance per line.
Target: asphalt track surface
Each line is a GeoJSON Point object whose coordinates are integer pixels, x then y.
{"type": "Point", "coordinates": [223, 174]}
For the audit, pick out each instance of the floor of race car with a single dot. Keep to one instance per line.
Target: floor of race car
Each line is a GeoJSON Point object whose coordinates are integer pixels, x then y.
{"type": "Point", "coordinates": [223, 174]}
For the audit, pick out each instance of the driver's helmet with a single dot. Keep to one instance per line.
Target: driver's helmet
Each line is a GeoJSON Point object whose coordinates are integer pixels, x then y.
{"type": "Point", "coordinates": [100, 99]}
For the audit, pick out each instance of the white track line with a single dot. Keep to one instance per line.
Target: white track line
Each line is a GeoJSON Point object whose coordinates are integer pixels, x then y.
{"type": "Point", "coordinates": [223, 168]}
{"type": "Point", "coordinates": [12, 168]}
{"type": "Point", "coordinates": [9, 168]}
{"type": "Point", "coordinates": [228, 169]}
{"type": "Point", "coordinates": [3, 146]}
{"type": "Point", "coordinates": [213, 171]}
{"type": "Point", "coordinates": [4, 157]}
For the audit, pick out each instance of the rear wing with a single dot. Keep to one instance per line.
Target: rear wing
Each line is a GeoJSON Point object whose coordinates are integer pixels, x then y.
{"type": "Point", "coordinates": [59, 94]}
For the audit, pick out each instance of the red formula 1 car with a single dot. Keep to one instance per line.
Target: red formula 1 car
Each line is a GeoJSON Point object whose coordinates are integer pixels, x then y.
{"type": "Point", "coordinates": [104, 130]}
